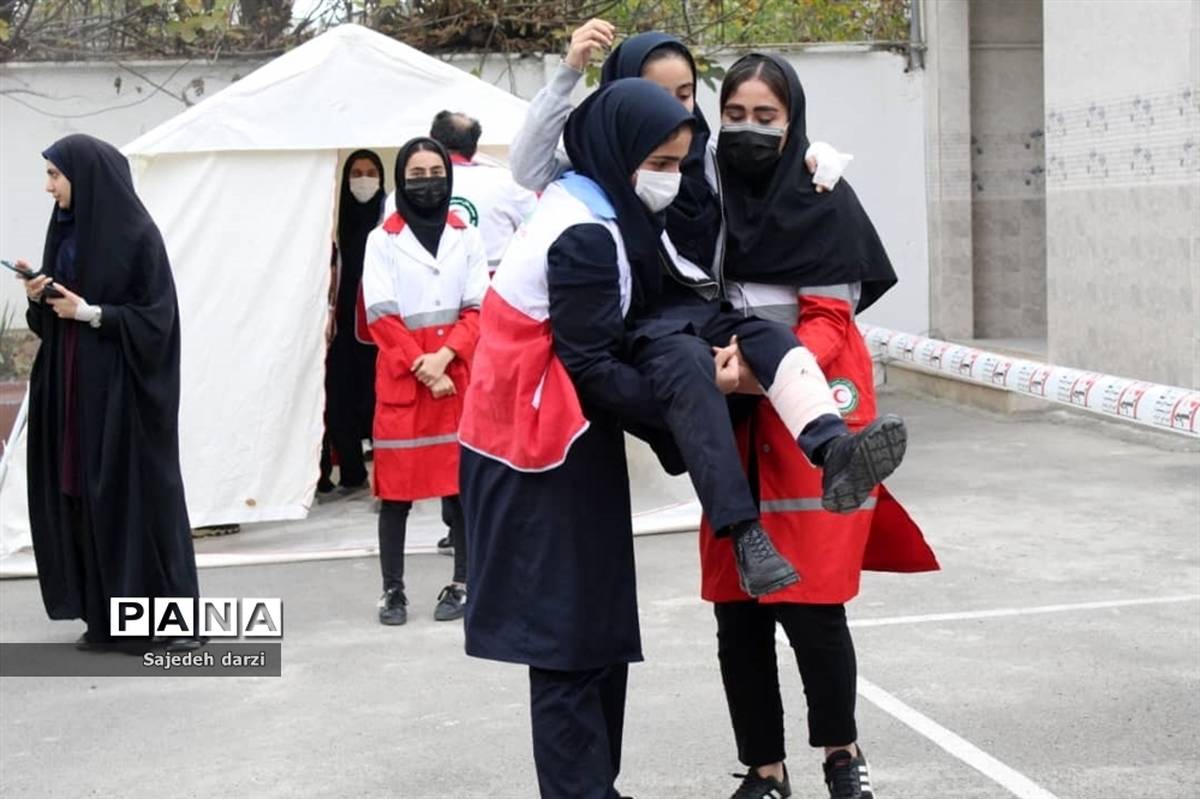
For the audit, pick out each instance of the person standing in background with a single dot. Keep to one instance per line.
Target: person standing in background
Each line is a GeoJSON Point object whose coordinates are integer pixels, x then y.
{"type": "Point", "coordinates": [424, 277]}
{"type": "Point", "coordinates": [350, 362]}
{"type": "Point", "coordinates": [106, 501]}
{"type": "Point", "coordinates": [485, 196]}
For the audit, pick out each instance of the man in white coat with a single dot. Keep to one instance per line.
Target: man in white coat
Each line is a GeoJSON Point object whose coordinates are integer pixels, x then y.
{"type": "Point", "coordinates": [486, 196]}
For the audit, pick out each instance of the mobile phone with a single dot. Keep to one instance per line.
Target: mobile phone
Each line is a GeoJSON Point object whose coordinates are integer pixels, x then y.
{"type": "Point", "coordinates": [24, 274]}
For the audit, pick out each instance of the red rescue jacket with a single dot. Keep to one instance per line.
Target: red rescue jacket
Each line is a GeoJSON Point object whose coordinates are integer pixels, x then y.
{"type": "Point", "coordinates": [414, 304]}
{"type": "Point", "coordinates": [828, 550]}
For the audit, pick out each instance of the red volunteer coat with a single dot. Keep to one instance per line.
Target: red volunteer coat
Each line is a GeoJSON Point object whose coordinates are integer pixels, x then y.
{"type": "Point", "coordinates": [828, 550]}
{"type": "Point", "coordinates": [415, 303]}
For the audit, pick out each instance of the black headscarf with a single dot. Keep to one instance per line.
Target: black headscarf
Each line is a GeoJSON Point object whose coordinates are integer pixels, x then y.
{"type": "Point", "coordinates": [786, 233]}
{"type": "Point", "coordinates": [108, 396]}
{"type": "Point", "coordinates": [608, 137]}
{"type": "Point", "coordinates": [694, 218]}
{"type": "Point", "coordinates": [107, 215]}
{"type": "Point", "coordinates": [427, 226]}
{"type": "Point", "coordinates": [355, 222]}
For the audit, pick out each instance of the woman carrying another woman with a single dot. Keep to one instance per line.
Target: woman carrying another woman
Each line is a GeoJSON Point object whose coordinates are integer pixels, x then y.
{"type": "Point", "coordinates": [424, 276]}
{"type": "Point", "coordinates": [811, 261]}
{"type": "Point", "coordinates": [544, 478]}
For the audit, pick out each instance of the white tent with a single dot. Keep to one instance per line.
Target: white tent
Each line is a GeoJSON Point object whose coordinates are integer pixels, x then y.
{"type": "Point", "coordinates": [244, 189]}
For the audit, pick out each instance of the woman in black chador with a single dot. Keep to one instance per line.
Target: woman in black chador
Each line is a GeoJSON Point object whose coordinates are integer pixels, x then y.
{"type": "Point", "coordinates": [106, 500]}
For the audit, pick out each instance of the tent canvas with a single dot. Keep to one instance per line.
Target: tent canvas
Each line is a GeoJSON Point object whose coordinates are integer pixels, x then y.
{"type": "Point", "coordinates": [244, 188]}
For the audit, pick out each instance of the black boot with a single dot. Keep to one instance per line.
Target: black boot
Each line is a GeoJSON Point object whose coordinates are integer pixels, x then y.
{"type": "Point", "coordinates": [393, 607]}
{"type": "Point", "coordinates": [761, 569]}
{"type": "Point", "coordinates": [855, 463]}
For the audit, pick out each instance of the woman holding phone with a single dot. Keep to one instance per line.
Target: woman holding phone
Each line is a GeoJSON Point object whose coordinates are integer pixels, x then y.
{"type": "Point", "coordinates": [106, 502]}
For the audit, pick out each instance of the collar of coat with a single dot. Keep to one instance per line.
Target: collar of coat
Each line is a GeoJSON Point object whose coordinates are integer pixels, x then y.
{"type": "Point", "coordinates": [394, 224]}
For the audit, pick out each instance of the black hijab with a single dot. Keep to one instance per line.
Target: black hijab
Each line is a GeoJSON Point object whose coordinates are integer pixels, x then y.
{"type": "Point", "coordinates": [785, 233]}
{"type": "Point", "coordinates": [608, 137]}
{"type": "Point", "coordinates": [427, 226]}
{"type": "Point", "coordinates": [355, 222]}
{"type": "Point", "coordinates": [694, 218]}
{"type": "Point", "coordinates": [106, 218]}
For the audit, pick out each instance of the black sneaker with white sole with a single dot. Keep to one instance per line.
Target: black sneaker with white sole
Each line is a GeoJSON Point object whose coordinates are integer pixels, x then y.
{"type": "Point", "coordinates": [847, 777]}
{"type": "Point", "coordinates": [444, 547]}
{"type": "Point", "coordinates": [855, 463]}
{"type": "Point", "coordinates": [452, 604]}
{"type": "Point", "coordinates": [757, 787]}
{"type": "Point", "coordinates": [393, 608]}
{"type": "Point", "coordinates": [761, 569]}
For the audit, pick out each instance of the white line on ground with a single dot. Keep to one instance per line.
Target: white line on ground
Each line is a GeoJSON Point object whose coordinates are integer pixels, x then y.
{"type": "Point", "coordinates": [1012, 781]}
{"type": "Point", "coordinates": [1002, 612]}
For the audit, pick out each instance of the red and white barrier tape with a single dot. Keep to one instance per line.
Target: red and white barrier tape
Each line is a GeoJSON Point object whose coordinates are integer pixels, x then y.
{"type": "Point", "coordinates": [1169, 408]}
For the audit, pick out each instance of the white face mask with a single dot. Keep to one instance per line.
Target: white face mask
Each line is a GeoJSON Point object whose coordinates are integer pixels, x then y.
{"type": "Point", "coordinates": [364, 189]}
{"type": "Point", "coordinates": [657, 189]}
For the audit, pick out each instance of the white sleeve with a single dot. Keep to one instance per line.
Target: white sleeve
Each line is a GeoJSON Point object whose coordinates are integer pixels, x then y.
{"type": "Point", "coordinates": [534, 157]}
{"type": "Point", "coordinates": [519, 204]}
{"type": "Point", "coordinates": [477, 271]}
{"type": "Point", "coordinates": [378, 288]}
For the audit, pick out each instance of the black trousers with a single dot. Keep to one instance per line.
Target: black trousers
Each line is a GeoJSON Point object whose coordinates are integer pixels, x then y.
{"type": "Point", "coordinates": [393, 529]}
{"type": "Point", "coordinates": [349, 406]}
{"type": "Point", "coordinates": [824, 652]}
{"type": "Point", "coordinates": [680, 370]}
{"type": "Point", "coordinates": [578, 718]}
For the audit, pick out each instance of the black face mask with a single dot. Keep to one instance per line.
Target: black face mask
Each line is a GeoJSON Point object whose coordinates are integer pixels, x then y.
{"type": "Point", "coordinates": [427, 194]}
{"type": "Point", "coordinates": [750, 150]}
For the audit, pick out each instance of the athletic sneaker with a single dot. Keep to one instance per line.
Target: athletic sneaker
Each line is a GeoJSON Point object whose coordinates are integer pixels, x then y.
{"type": "Point", "coordinates": [393, 607]}
{"type": "Point", "coordinates": [452, 604]}
{"type": "Point", "coordinates": [444, 546]}
{"type": "Point", "coordinates": [756, 787]}
{"type": "Point", "coordinates": [855, 463]}
{"type": "Point", "coordinates": [761, 569]}
{"type": "Point", "coordinates": [847, 777]}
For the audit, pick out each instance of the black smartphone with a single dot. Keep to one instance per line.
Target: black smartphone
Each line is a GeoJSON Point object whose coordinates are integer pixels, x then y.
{"type": "Point", "coordinates": [24, 274]}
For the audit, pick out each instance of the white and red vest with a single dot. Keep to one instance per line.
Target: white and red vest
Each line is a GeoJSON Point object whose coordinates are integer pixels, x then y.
{"type": "Point", "coordinates": [415, 303]}
{"type": "Point", "coordinates": [522, 408]}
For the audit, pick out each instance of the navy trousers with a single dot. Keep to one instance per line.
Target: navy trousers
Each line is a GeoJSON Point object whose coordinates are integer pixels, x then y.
{"type": "Point", "coordinates": [679, 366]}
{"type": "Point", "coordinates": [578, 718]}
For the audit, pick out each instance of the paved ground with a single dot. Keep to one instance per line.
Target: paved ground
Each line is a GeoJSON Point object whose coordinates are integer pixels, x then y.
{"type": "Point", "coordinates": [1068, 701]}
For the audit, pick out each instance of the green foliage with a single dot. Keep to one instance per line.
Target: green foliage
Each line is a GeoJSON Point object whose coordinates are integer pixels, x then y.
{"type": "Point", "coordinates": [59, 29]}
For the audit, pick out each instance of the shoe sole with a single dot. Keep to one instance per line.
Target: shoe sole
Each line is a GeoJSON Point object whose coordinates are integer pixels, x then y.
{"type": "Point", "coordinates": [446, 551]}
{"type": "Point", "coordinates": [400, 623]}
{"type": "Point", "coordinates": [455, 617]}
{"type": "Point", "coordinates": [216, 532]}
{"type": "Point", "coordinates": [777, 584]}
{"type": "Point", "coordinates": [877, 453]}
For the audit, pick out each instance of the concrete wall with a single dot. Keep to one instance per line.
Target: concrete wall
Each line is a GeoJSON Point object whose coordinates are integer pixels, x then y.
{"type": "Point", "coordinates": [861, 101]}
{"type": "Point", "coordinates": [1008, 188]}
{"type": "Point", "coordinates": [1122, 93]}
{"type": "Point", "coordinates": [947, 80]}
